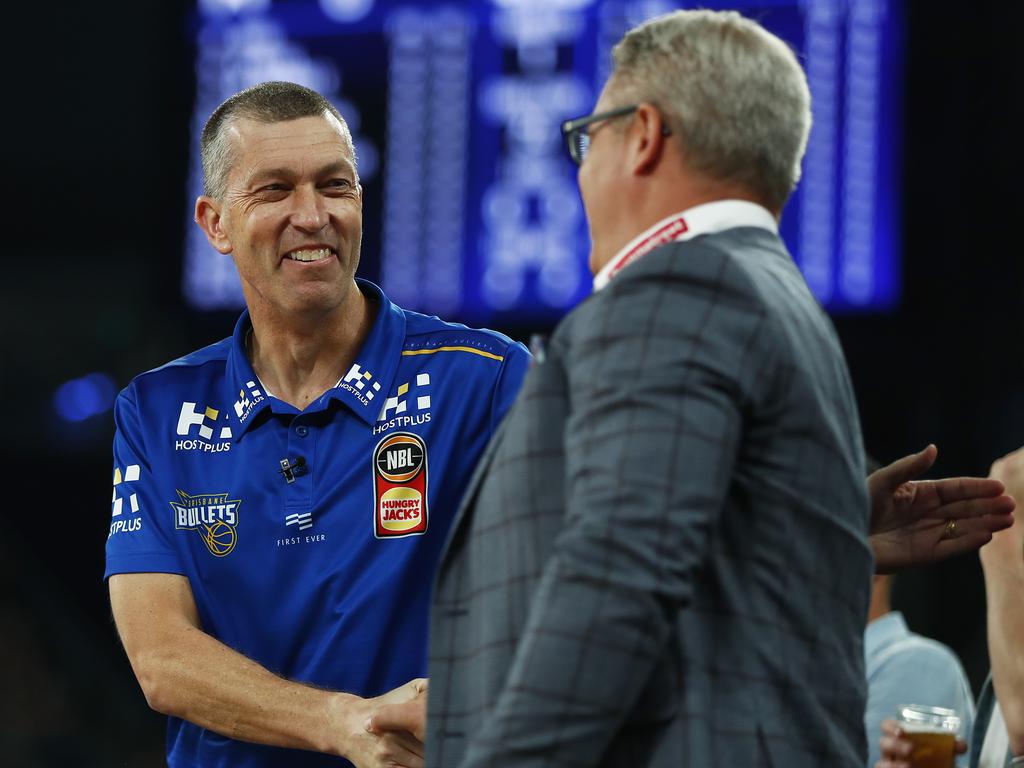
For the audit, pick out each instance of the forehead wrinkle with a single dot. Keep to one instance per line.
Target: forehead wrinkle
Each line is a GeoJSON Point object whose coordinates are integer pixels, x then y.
{"type": "Point", "coordinates": [277, 152]}
{"type": "Point", "coordinates": [259, 173]}
{"type": "Point", "coordinates": [269, 168]}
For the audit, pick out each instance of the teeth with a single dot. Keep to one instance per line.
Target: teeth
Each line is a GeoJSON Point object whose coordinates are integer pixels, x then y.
{"type": "Point", "coordinates": [310, 255]}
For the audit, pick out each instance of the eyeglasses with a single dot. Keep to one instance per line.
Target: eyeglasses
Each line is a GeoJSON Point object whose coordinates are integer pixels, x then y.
{"type": "Point", "coordinates": [577, 132]}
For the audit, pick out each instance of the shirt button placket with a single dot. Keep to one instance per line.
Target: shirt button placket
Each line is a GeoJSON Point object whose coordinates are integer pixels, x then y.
{"type": "Point", "coordinates": [301, 443]}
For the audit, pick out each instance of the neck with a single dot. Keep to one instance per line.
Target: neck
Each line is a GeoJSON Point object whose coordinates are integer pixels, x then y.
{"type": "Point", "coordinates": [298, 357]}
{"type": "Point", "coordinates": [880, 602]}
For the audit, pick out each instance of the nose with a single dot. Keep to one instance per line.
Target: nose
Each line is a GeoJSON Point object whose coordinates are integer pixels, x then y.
{"type": "Point", "coordinates": [309, 213]}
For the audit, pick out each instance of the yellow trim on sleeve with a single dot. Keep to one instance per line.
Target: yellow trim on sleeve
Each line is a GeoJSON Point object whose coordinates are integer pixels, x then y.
{"type": "Point", "coordinates": [451, 349]}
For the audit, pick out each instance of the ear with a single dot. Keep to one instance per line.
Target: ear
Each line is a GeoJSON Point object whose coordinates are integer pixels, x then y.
{"type": "Point", "coordinates": [207, 216]}
{"type": "Point", "coordinates": [647, 140]}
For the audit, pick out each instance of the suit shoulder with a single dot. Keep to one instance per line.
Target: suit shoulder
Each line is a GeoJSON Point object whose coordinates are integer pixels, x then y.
{"type": "Point", "coordinates": [740, 261]}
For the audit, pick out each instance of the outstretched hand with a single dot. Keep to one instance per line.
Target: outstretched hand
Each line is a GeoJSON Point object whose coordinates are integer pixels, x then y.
{"type": "Point", "coordinates": [920, 521]}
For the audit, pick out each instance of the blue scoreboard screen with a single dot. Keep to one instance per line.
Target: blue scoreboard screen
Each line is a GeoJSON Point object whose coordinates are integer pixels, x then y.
{"type": "Point", "coordinates": [471, 208]}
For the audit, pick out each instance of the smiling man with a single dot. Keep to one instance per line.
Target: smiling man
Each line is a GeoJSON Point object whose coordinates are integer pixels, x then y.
{"type": "Point", "coordinates": [281, 497]}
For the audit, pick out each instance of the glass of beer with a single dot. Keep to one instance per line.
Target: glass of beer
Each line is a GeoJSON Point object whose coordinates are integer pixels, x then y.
{"type": "Point", "coordinates": [933, 730]}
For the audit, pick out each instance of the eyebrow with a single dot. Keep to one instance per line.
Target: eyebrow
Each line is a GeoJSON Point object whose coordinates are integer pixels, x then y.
{"type": "Point", "coordinates": [261, 174]}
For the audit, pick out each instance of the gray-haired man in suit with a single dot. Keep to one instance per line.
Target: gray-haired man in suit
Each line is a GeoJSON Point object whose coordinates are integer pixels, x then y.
{"type": "Point", "coordinates": [663, 558]}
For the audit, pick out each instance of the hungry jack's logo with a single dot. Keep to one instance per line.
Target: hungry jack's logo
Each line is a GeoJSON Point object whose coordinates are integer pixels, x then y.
{"type": "Point", "coordinates": [400, 486]}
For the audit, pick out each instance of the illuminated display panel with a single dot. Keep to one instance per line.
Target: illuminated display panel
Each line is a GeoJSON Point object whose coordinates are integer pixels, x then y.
{"type": "Point", "coordinates": [471, 206]}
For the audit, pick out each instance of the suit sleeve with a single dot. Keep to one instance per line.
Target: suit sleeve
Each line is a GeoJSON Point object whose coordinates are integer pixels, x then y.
{"type": "Point", "coordinates": [138, 540]}
{"type": "Point", "coordinates": [650, 447]}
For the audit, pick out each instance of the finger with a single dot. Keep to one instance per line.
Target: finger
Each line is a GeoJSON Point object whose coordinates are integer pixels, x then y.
{"type": "Point", "coordinates": [960, 545]}
{"type": "Point", "coordinates": [391, 752]}
{"type": "Point", "coordinates": [998, 506]}
{"type": "Point", "coordinates": [961, 746]}
{"type": "Point", "coordinates": [407, 716]}
{"type": "Point", "coordinates": [951, 489]}
{"type": "Point", "coordinates": [399, 750]}
{"type": "Point", "coordinates": [891, 727]}
{"type": "Point", "coordinates": [408, 742]}
{"type": "Point", "coordinates": [907, 468]}
{"type": "Point", "coordinates": [421, 684]}
{"type": "Point", "coordinates": [894, 748]}
{"type": "Point", "coordinates": [970, 525]}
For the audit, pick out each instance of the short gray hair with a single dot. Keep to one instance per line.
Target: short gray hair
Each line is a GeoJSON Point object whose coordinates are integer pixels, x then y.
{"type": "Point", "coordinates": [272, 102]}
{"type": "Point", "coordinates": [735, 94]}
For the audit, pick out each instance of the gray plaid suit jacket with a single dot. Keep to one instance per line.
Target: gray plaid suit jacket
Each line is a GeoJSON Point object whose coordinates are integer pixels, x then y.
{"type": "Point", "coordinates": [663, 559]}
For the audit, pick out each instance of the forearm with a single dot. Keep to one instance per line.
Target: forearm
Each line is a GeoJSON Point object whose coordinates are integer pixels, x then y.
{"type": "Point", "coordinates": [1004, 589]}
{"type": "Point", "coordinates": [194, 676]}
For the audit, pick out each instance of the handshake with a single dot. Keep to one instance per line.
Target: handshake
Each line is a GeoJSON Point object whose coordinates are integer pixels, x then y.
{"type": "Point", "coordinates": [388, 731]}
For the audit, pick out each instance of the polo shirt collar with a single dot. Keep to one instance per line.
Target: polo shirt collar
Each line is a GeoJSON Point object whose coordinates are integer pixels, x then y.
{"type": "Point", "coordinates": [704, 219]}
{"type": "Point", "coordinates": [362, 389]}
{"type": "Point", "coordinates": [884, 631]}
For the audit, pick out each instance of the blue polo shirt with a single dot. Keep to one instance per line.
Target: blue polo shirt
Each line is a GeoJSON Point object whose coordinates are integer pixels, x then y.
{"type": "Point", "coordinates": [309, 538]}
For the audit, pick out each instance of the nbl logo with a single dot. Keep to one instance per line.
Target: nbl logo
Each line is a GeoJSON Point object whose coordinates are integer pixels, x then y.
{"type": "Point", "coordinates": [400, 486]}
{"type": "Point", "coordinates": [213, 516]}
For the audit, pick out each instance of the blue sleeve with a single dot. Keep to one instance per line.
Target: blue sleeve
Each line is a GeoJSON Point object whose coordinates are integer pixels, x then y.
{"type": "Point", "coordinates": [921, 671]}
{"type": "Point", "coordinates": [510, 381]}
{"type": "Point", "coordinates": [138, 541]}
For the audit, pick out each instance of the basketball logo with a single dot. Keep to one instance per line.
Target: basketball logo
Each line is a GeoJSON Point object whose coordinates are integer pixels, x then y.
{"type": "Point", "coordinates": [220, 538]}
{"type": "Point", "coordinates": [400, 486]}
{"type": "Point", "coordinates": [213, 516]}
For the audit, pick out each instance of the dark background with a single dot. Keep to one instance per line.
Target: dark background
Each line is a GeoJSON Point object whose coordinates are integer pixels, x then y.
{"type": "Point", "coordinates": [97, 104]}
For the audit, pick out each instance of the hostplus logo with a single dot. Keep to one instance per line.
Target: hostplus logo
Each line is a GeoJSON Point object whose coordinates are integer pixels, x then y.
{"type": "Point", "coordinates": [409, 407]}
{"type": "Point", "coordinates": [125, 517]}
{"type": "Point", "coordinates": [248, 399]}
{"type": "Point", "coordinates": [202, 430]}
{"type": "Point", "coordinates": [360, 383]}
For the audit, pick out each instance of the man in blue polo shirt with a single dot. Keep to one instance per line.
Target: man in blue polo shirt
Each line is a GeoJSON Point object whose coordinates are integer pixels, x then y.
{"type": "Point", "coordinates": [281, 497]}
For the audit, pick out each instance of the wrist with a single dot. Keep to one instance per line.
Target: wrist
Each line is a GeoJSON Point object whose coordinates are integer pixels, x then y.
{"type": "Point", "coordinates": [345, 719]}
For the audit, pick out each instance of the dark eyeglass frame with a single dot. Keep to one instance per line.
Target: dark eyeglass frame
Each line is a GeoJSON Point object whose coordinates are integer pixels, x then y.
{"type": "Point", "coordinates": [574, 130]}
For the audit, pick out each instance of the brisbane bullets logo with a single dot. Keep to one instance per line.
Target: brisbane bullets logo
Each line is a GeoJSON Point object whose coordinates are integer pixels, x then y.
{"type": "Point", "coordinates": [400, 486]}
{"type": "Point", "coordinates": [213, 516]}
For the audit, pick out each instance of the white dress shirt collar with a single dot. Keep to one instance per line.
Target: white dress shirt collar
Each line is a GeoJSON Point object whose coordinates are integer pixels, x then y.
{"type": "Point", "coordinates": [702, 219]}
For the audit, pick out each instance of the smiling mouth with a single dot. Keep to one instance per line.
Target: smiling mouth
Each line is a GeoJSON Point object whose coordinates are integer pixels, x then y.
{"type": "Point", "coordinates": [310, 254]}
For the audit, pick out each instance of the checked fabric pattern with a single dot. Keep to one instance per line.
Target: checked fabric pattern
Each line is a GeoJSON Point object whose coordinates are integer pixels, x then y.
{"type": "Point", "coordinates": [662, 559]}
